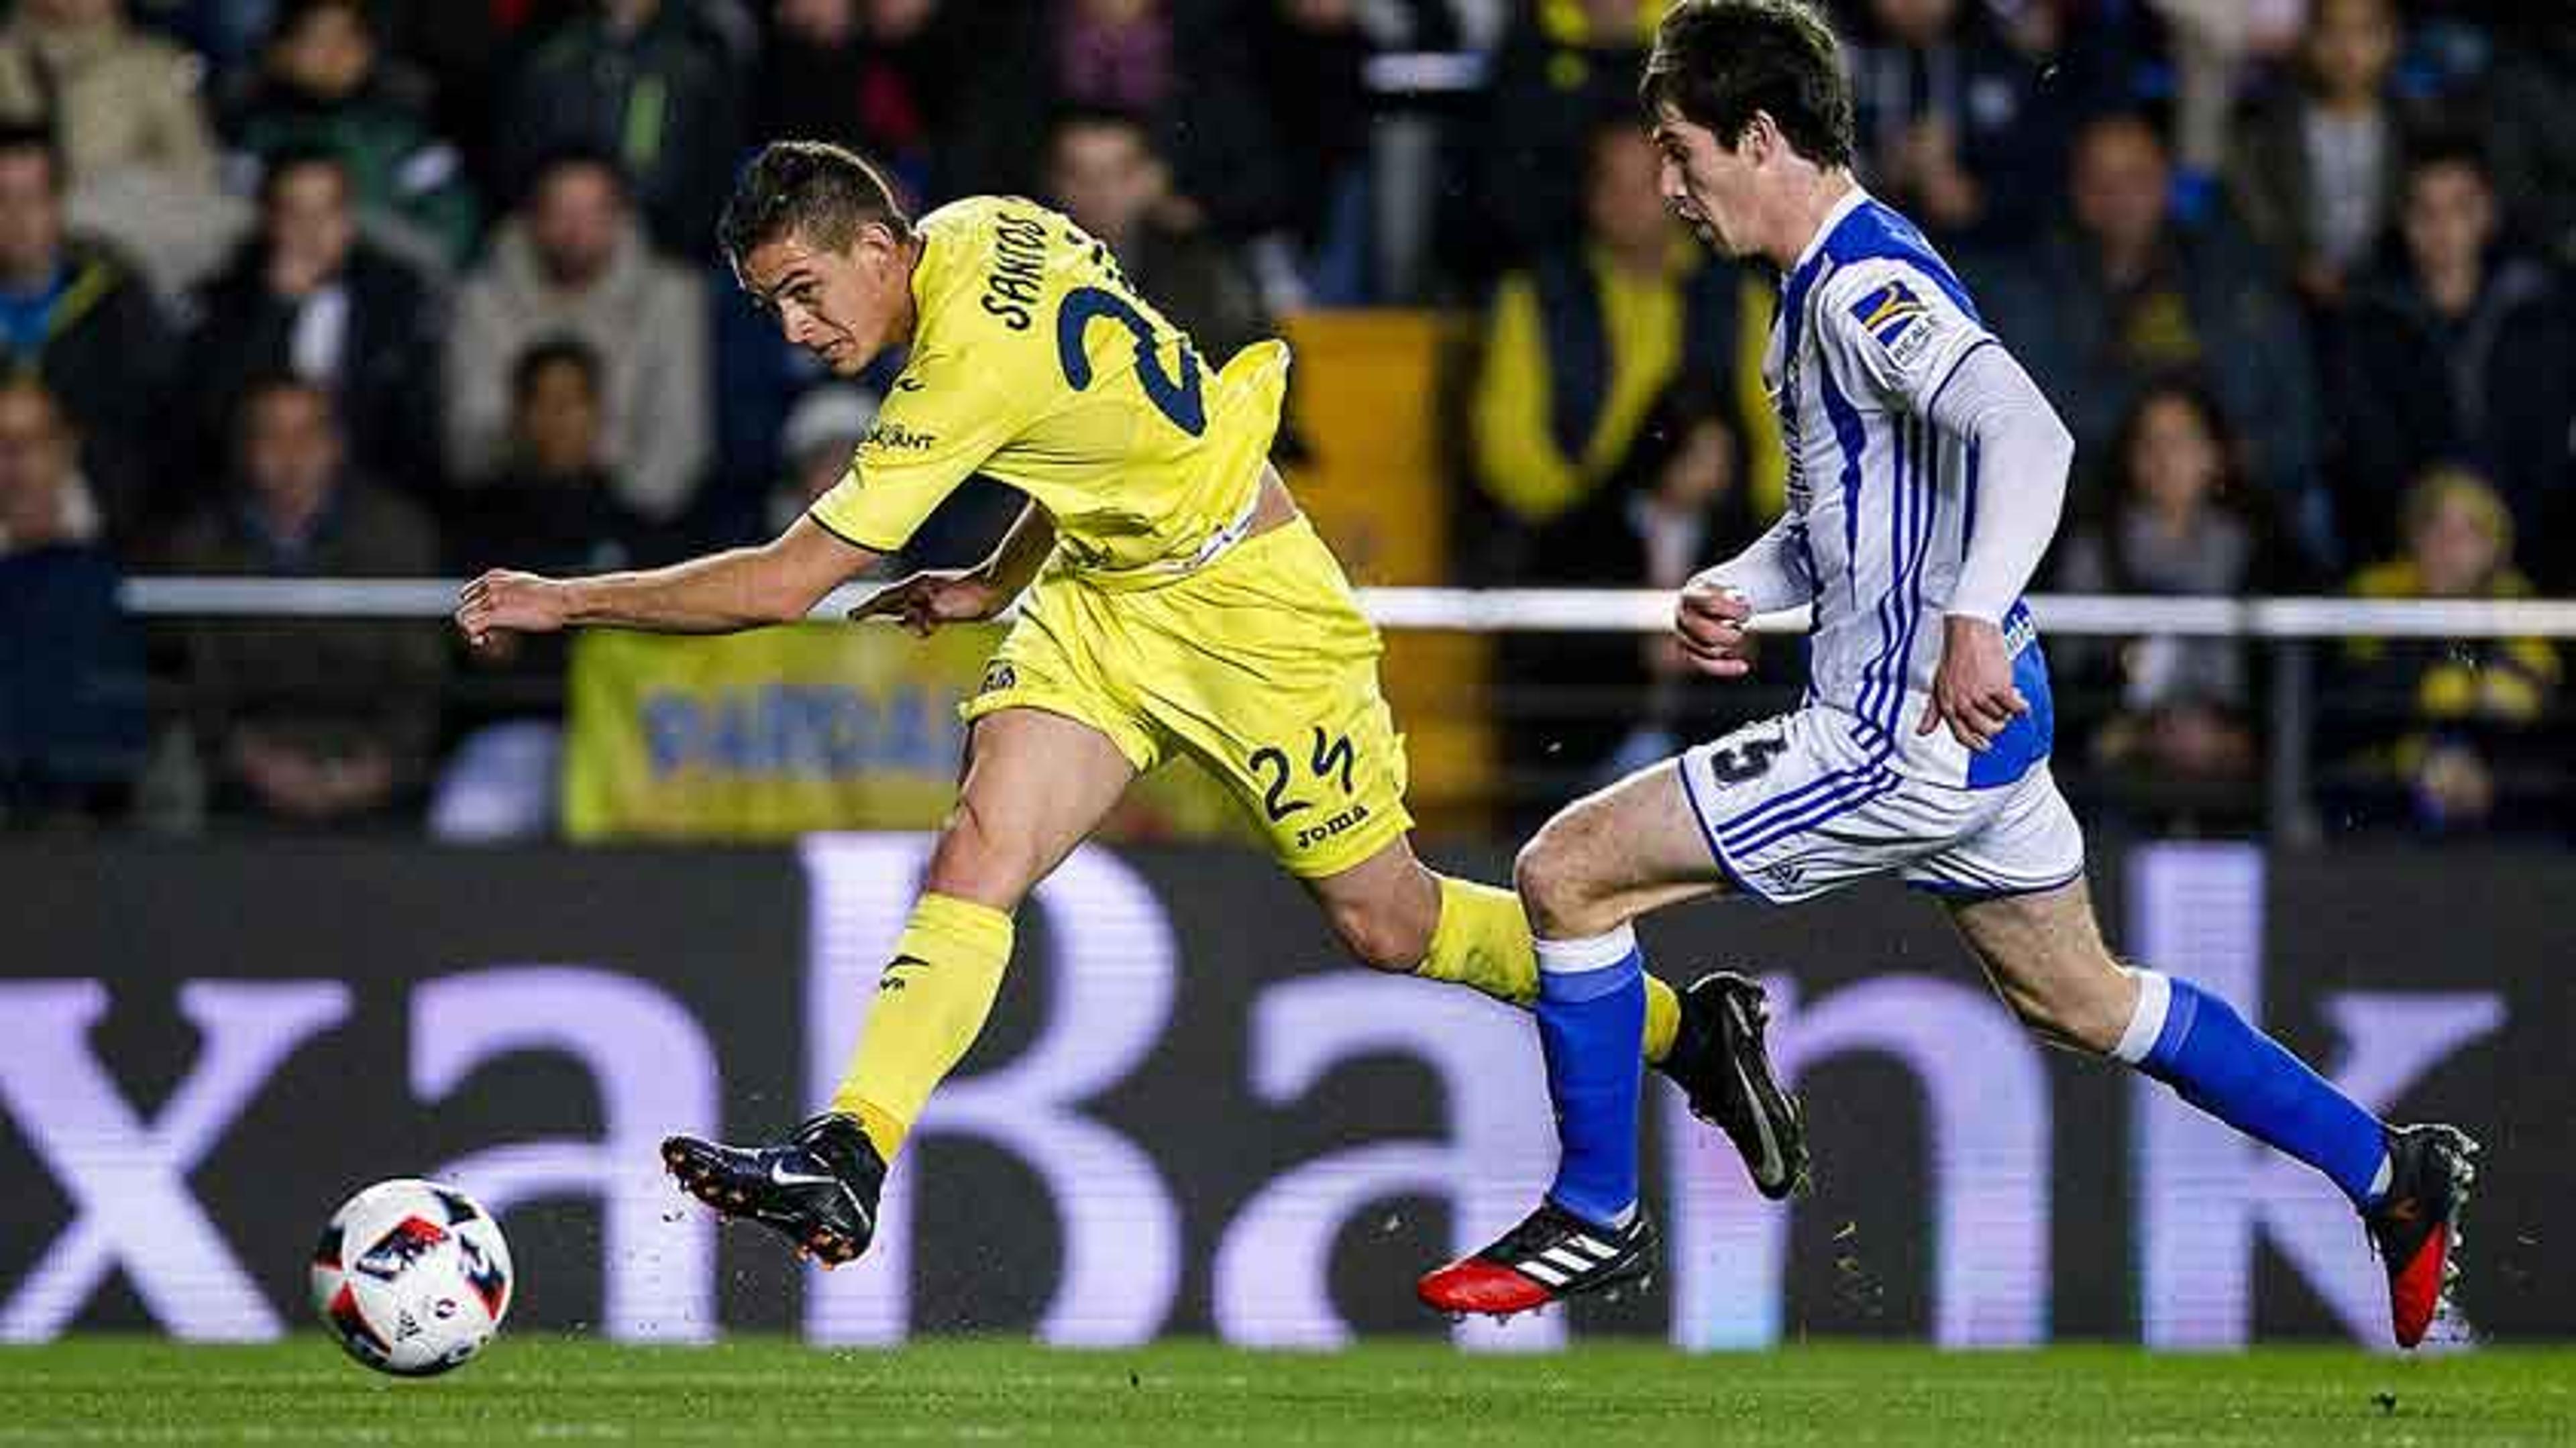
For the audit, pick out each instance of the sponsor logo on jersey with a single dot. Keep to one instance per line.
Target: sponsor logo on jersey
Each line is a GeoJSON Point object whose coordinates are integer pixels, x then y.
{"type": "Point", "coordinates": [895, 437]}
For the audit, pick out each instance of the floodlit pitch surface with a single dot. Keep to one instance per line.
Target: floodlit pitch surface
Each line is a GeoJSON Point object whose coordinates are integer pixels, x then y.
{"type": "Point", "coordinates": [536, 1389]}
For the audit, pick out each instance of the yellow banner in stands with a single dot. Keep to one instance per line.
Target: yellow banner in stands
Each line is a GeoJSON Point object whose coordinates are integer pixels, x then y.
{"type": "Point", "coordinates": [765, 735]}
{"type": "Point", "coordinates": [770, 735]}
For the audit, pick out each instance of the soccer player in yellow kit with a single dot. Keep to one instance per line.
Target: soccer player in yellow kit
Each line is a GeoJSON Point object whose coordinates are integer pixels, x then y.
{"type": "Point", "coordinates": [1176, 601]}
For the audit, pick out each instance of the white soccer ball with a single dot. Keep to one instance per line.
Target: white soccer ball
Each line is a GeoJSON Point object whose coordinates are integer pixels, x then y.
{"type": "Point", "coordinates": [412, 1277]}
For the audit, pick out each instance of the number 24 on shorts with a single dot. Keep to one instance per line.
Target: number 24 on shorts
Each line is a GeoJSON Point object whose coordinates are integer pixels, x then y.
{"type": "Point", "coordinates": [1330, 758]}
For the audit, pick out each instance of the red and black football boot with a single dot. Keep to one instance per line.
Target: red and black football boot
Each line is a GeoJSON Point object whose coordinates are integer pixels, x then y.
{"type": "Point", "coordinates": [1718, 1060]}
{"type": "Point", "coordinates": [1553, 1254]}
{"type": "Point", "coordinates": [2416, 1224]}
{"type": "Point", "coordinates": [819, 1188]}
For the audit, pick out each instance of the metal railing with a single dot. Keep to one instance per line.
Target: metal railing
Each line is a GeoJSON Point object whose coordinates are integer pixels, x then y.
{"type": "Point", "coordinates": [2289, 627]}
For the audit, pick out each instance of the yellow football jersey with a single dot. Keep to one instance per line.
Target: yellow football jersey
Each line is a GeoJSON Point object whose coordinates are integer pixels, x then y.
{"type": "Point", "coordinates": [1033, 362]}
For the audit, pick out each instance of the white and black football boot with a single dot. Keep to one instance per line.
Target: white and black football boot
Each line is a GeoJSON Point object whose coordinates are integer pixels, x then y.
{"type": "Point", "coordinates": [818, 1189]}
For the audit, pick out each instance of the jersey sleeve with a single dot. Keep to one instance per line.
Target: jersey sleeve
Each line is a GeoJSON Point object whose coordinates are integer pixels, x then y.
{"type": "Point", "coordinates": [1892, 331]}
{"type": "Point", "coordinates": [939, 423]}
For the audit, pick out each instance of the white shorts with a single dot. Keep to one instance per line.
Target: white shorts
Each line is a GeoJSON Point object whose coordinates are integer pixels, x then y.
{"type": "Point", "coordinates": [1796, 806]}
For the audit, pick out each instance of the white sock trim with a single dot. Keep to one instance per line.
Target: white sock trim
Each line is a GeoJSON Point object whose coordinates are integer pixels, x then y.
{"type": "Point", "coordinates": [1573, 957]}
{"type": "Point", "coordinates": [2155, 997]}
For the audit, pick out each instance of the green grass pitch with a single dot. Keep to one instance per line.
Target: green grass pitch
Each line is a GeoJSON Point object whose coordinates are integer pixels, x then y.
{"type": "Point", "coordinates": [536, 1389]}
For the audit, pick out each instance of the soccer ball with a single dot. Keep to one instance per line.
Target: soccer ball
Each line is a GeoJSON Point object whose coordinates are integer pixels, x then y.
{"type": "Point", "coordinates": [412, 1277]}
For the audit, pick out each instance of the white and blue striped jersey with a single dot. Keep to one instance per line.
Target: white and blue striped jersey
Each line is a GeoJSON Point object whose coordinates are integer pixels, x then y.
{"type": "Point", "coordinates": [1872, 324]}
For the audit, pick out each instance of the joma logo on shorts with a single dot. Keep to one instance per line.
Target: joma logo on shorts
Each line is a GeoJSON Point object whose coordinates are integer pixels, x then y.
{"type": "Point", "coordinates": [1316, 834]}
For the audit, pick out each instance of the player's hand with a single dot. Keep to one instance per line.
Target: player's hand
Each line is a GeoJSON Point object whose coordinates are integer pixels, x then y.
{"type": "Point", "coordinates": [1972, 691]}
{"type": "Point", "coordinates": [925, 602]}
{"type": "Point", "coordinates": [1709, 620]}
{"type": "Point", "coordinates": [501, 603]}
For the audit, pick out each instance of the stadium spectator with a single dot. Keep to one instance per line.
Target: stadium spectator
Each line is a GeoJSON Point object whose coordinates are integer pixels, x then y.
{"type": "Point", "coordinates": [325, 84]}
{"type": "Point", "coordinates": [1185, 67]}
{"type": "Point", "coordinates": [308, 296]}
{"type": "Point", "coordinates": [2213, 45]}
{"type": "Point", "coordinates": [73, 311]}
{"type": "Point", "coordinates": [2128, 294]}
{"type": "Point", "coordinates": [2174, 523]}
{"type": "Point", "coordinates": [2461, 350]}
{"type": "Point", "coordinates": [573, 262]}
{"type": "Point", "coordinates": [883, 77]}
{"type": "Point", "coordinates": [1103, 170]}
{"type": "Point", "coordinates": [2531, 127]}
{"type": "Point", "coordinates": [72, 720]}
{"type": "Point", "coordinates": [126, 110]}
{"type": "Point", "coordinates": [823, 431]}
{"type": "Point", "coordinates": [554, 507]}
{"type": "Point", "coordinates": [1564, 69]}
{"type": "Point", "coordinates": [554, 503]}
{"type": "Point", "coordinates": [652, 83]}
{"type": "Point", "coordinates": [2473, 751]}
{"type": "Point", "coordinates": [2314, 172]}
{"type": "Point", "coordinates": [1954, 127]}
{"type": "Point", "coordinates": [467, 50]}
{"type": "Point", "coordinates": [1592, 708]}
{"type": "Point", "coordinates": [311, 721]}
{"type": "Point", "coordinates": [1578, 347]}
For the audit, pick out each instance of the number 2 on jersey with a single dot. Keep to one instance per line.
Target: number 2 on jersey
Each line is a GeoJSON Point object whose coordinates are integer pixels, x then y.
{"type": "Point", "coordinates": [1176, 398]}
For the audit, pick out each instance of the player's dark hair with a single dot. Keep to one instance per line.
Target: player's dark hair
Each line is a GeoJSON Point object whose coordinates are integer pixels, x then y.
{"type": "Point", "coordinates": [813, 189]}
{"type": "Point", "coordinates": [558, 350]}
{"type": "Point", "coordinates": [1719, 62]}
{"type": "Point", "coordinates": [22, 137]}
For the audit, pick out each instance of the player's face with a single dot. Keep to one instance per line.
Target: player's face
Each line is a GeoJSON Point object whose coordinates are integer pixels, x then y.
{"type": "Point", "coordinates": [1707, 185]}
{"type": "Point", "coordinates": [843, 306]}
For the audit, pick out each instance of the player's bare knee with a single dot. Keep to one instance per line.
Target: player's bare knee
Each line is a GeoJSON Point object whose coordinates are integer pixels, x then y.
{"type": "Point", "coordinates": [1378, 937]}
{"type": "Point", "coordinates": [977, 863]}
{"type": "Point", "coordinates": [1555, 886]}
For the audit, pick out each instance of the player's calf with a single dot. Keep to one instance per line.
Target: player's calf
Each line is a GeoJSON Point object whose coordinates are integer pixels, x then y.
{"type": "Point", "coordinates": [818, 1189]}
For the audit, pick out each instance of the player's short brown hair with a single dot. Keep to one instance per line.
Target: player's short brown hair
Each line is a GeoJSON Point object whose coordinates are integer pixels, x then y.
{"type": "Point", "coordinates": [815, 189]}
{"type": "Point", "coordinates": [1720, 61]}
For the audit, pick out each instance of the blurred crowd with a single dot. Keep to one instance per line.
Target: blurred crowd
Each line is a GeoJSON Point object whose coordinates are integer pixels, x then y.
{"type": "Point", "coordinates": [403, 287]}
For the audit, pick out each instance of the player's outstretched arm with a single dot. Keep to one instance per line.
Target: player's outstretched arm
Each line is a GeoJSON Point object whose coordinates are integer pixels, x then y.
{"type": "Point", "coordinates": [926, 601]}
{"type": "Point", "coordinates": [741, 588]}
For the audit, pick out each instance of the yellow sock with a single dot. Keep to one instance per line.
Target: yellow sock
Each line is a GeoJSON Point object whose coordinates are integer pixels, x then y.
{"type": "Point", "coordinates": [1483, 942]}
{"type": "Point", "coordinates": [930, 1006]}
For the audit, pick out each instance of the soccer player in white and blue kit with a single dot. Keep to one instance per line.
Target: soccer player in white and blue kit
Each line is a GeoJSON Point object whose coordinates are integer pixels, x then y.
{"type": "Point", "coordinates": [1927, 472]}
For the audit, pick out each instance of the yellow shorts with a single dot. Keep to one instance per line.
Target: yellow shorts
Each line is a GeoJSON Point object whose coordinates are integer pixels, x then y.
{"type": "Point", "coordinates": [1261, 665]}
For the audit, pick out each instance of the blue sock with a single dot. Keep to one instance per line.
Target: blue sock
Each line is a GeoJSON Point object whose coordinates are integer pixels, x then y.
{"type": "Point", "coordinates": [1591, 1028]}
{"type": "Point", "coordinates": [2214, 1060]}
